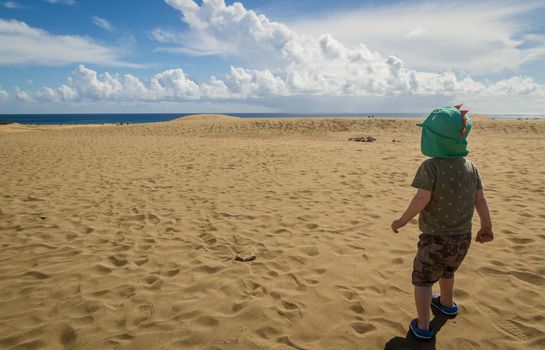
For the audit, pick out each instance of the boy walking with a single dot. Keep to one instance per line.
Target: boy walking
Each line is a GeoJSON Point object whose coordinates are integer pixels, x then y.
{"type": "Point", "coordinates": [449, 189]}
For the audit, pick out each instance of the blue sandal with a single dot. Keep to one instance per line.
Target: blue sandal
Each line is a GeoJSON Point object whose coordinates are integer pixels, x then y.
{"type": "Point", "coordinates": [420, 334]}
{"type": "Point", "coordinates": [448, 311]}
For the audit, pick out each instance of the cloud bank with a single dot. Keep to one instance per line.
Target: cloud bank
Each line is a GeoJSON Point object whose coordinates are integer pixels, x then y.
{"type": "Point", "coordinates": [282, 62]}
{"type": "Point", "coordinates": [23, 44]}
{"type": "Point", "coordinates": [174, 85]}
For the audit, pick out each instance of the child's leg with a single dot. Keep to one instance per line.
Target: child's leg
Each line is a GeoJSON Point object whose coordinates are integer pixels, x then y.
{"type": "Point", "coordinates": [422, 297]}
{"type": "Point", "coordinates": [447, 286]}
{"type": "Point", "coordinates": [459, 244]}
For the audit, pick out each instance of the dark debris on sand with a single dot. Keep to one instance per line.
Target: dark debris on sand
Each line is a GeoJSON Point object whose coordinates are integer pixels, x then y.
{"type": "Point", "coordinates": [362, 139]}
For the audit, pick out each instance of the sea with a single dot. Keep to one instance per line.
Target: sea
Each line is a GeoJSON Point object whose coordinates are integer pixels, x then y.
{"type": "Point", "coordinates": [137, 118]}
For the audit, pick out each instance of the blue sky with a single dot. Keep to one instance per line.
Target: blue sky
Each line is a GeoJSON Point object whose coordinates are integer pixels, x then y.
{"type": "Point", "coordinates": [270, 56]}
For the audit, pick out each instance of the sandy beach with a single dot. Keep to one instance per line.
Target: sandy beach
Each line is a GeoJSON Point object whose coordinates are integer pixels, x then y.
{"type": "Point", "coordinates": [125, 236]}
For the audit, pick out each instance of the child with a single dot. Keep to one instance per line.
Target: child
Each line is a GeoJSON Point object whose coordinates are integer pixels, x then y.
{"type": "Point", "coordinates": [449, 189]}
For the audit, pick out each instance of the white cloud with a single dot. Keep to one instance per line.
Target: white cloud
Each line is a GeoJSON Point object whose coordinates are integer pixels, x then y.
{"type": "Point", "coordinates": [12, 5]}
{"type": "Point", "coordinates": [102, 23]}
{"type": "Point", "coordinates": [477, 37]}
{"type": "Point", "coordinates": [173, 84]}
{"type": "Point", "coordinates": [216, 28]}
{"type": "Point", "coordinates": [63, 2]}
{"type": "Point", "coordinates": [22, 95]}
{"type": "Point", "coordinates": [87, 85]}
{"type": "Point", "coordinates": [516, 86]}
{"type": "Point", "coordinates": [23, 44]}
{"type": "Point", "coordinates": [3, 95]}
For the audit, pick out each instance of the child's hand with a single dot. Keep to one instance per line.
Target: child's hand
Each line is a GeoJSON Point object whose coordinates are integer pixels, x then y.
{"type": "Point", "coordinates": [484, 235]}
{"type": "Point", "coordinates": [397, 224]}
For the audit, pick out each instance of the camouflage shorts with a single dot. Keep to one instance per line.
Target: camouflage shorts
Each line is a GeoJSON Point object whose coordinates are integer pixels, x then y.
{"type": "Point", "coordinates": [438, 257]}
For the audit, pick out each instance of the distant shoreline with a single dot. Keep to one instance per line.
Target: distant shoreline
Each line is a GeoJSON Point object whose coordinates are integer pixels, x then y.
{"type": "Point", "coordinates": [141, 118]}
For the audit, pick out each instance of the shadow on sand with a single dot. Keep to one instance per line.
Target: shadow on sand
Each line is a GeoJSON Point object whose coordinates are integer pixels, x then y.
{"type": "Point", "coordinates": [410, 342]}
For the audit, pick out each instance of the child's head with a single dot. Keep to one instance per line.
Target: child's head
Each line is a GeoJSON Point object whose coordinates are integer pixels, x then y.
{"type": "Point", "coordinates": [445, 132]}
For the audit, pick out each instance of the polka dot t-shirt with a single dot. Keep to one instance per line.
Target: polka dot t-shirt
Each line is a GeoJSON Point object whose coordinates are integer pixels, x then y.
{"type": "Point", "coordinates": [453, 183]}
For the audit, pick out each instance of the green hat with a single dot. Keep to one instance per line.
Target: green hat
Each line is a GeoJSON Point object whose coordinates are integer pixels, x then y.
{"type": "Point", "coordinates": [445, 132]}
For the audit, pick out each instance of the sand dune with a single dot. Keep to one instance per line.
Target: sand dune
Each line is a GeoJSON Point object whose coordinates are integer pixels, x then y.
{"type": "Point", "coordinates": [207, 118]}
{"type": "Point", "coordinates": [124, 237]}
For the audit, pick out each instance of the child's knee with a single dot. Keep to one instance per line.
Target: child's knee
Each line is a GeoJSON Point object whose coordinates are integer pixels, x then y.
{"type": "Point", "coordinates": [425, 277]}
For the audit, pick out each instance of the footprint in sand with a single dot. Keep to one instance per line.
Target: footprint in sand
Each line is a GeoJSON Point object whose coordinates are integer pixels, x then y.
{"type": "Point", "coordinates": [286, 340]}
{"type": "Point", "coordinates": [238, 306]}
{"type": "Point", "coordinates": [362, 327]}
{"type": "Point", "coordinates": [289, 310]}
{"type": "Point", "coordinates": [171, 271]}
{"type": "Point", "coordinates": [171, 230]}
{"type": "Point", "coordinates": [207, 268]}
{"type": "Point", "coordinates": [70, 236]}
{"type": "Point", "coordinates": [141, 260]}
{"type": "Point", "coordinates": [102, 269]}
{"type": "Point", "coordinates": [267, 332]}
{"type": "Point", "coordinates": [282, 230]}
{"type": "Point", "coordinates": [528, 277]}
{"type": "Point", "coordinates": [521, 240]}
{"type": "Point", "coordinates": [207, 321]}
{"type": "Point", "coordinates": [357, 308]}
{"type": "Point", "coordinates": [153, 281]}
{"type": "Point", "coordinates": [511, 328]}
{"type": "Point", "coordinates": [347, 293]}
{"type": "Point", "coordinates": [138, 217]}
{"type": "Point", "coordinates": [154, 218]}
{"type": "Point", "coordinates": [144, 246]}
{"type": "Point", "coordinates": [144, 313]}
{"type": "Point", "coordinates": [397, 261]}
{"type": "Point", "coordinates": [126, 291]}
{"type": "Point", "coordinates": [124, 336]}
{"type": "Point", "coordinates": [310, 251]}
{"type": "Point", "coordinates": [208, 238]}
{"type": "Point", "coordinates": [37, 275]}
{"type": "Point", "coordinates": [466, 344]}
{"type": "Point", "coordinates": [118, 260]}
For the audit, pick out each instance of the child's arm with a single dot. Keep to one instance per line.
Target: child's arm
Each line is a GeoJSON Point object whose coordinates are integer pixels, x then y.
{"type": "Point", "coordinates": [418, 203]}
{"type": "Point", "coordinates": [485, 234]}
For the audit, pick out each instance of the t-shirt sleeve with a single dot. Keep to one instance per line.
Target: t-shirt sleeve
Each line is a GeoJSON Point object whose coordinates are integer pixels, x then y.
{"type": "Point", "coordinates": [479, 181]}
{"type": "Point", "coordinates": [425, 177]}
